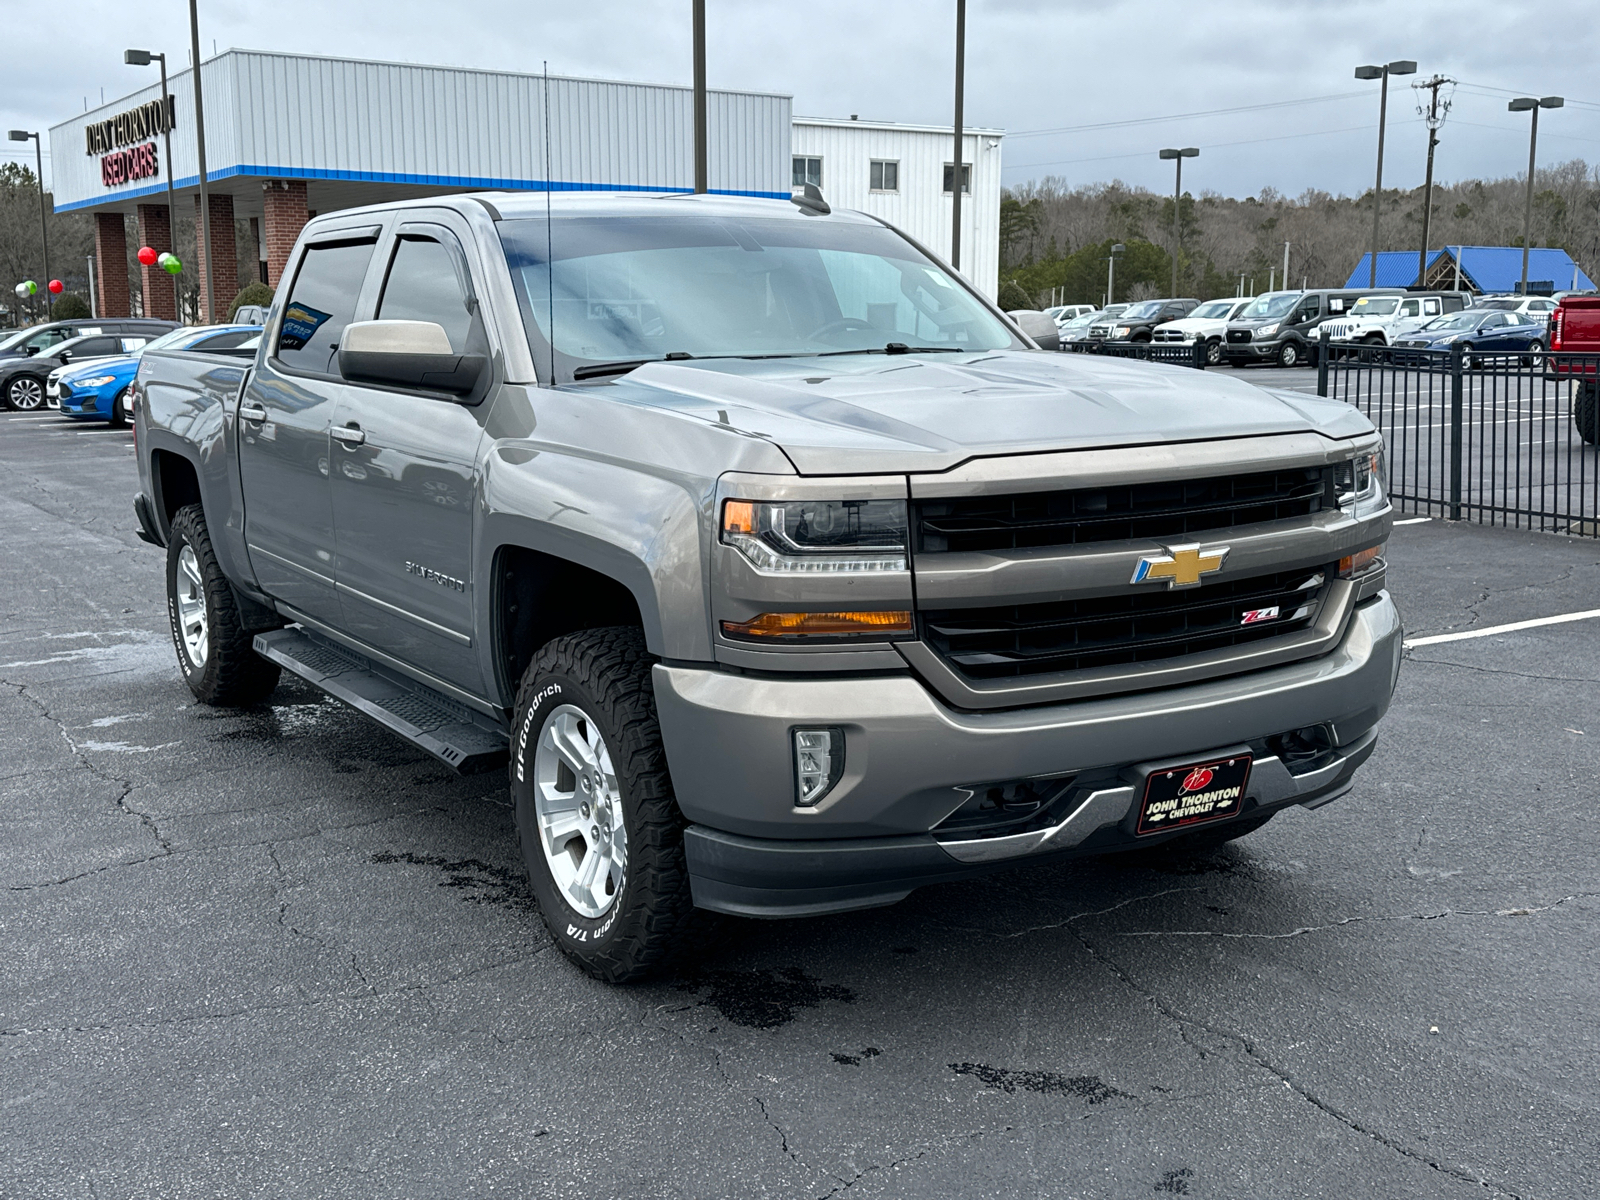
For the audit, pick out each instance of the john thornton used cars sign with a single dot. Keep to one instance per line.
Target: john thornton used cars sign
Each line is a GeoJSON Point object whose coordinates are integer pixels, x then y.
{"type": "Point", "coordinates": [125, 141]}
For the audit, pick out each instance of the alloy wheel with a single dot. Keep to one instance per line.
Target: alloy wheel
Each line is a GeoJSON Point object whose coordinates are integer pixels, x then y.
{"type": "Point", "coordinates": [579, 809]}
{"type": "Point", "coordinates": [190, 590]}
{"type": "Point", "coordinates": [26, 394]}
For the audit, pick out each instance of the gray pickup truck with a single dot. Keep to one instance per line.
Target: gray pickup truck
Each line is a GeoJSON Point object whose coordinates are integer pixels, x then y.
{"type": "Point", "coordinates": [781, 570]}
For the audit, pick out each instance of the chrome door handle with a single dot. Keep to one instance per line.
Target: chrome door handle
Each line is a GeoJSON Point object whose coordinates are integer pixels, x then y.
{"type": "Point", "coordinates": [252, 412]}
{"type": "Point", "coordinates": [349, 435]}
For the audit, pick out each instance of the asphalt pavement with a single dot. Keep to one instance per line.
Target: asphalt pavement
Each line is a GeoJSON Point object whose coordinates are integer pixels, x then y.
{"type": "Point", "coordinates": [279, 952]}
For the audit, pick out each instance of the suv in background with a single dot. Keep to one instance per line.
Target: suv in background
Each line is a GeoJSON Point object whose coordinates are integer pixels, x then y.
{"type": "Point", "coordinates": [41, 339]}
{"type": "Point", "coordinates": [1077, 329]}
{"type": "Point", "coordinates": [1205, 324]}
{"type": "Point", "coordinates": [1383, 320]}
{"type": "Point", "coordinates": [1538, 307]}
{"type": "Point", "coordinates": [1138, 322]}
{"type": "Point", "coordinates": [1281, 327]}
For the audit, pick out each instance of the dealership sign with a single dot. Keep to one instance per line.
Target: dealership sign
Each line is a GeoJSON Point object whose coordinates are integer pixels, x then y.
{"type": "Point", "coordinates": [125, 142]}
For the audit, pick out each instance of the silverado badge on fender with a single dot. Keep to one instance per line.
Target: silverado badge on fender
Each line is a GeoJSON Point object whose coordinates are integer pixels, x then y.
{"type": "Point", "coordinates": [1180, 566]}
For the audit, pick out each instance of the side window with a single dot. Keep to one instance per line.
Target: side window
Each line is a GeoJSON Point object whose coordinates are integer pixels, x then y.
{"type": "Point", "coordinates": [1408, 308]}
{"type": "Point", "coordinates": [1430, 308]}
{"type": "Point", "coordinates": [91, 347]}
{"type": "Point", "coordinates": [423, 285]}
{"type": "Point", "coordinates": [1309, 310]}
{"type": "Point", "coordinates": [321, 303]}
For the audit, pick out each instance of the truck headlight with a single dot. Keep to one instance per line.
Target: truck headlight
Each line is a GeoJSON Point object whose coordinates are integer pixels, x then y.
{"type": "Point", "coordinates": [832, 537]}
{"type": "Point", "coordinates": [1359, 482]}
{"type": "Point", "coordinates": [1122, 331]}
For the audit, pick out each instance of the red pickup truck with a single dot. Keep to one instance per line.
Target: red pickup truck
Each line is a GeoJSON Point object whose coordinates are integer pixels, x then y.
{"type": "Point", "coordinates": [1575, 355]}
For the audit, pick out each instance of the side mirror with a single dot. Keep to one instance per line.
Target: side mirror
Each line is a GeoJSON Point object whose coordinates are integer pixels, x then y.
{"type": "Point", "coordinates": [32, 350]}
{"type": "Point", "coordinates": [407, 354]}
{"type": "Point", "coordinates": [1038, 326]}
{"type": "Point", "coordinates": [66, 356]}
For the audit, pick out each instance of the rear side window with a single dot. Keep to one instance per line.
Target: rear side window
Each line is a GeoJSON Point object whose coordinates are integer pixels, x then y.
{"type": "Point", "coordinates": [224, 341]}
{"type": "Point", "coordinates": [424, 285]}
{"type": "Point", "coordinates": [321, 303]}
{"type": "Point", "coordinates": [98, 345]}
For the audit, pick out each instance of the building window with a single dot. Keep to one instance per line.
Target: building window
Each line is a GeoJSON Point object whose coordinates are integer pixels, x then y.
{"type": "Point", "coordinates": [807, 170]}
{"type": "Point", "coordinates": [885, 176]}
{"type": "Point", "coordinates": [966, 178]}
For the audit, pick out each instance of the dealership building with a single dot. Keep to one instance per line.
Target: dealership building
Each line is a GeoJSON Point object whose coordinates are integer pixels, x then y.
{"type": "Point", "coordinates": [289, 136]}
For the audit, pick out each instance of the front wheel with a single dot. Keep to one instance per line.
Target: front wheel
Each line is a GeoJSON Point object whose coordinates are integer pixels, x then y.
{"type": "Point", "coordinates": [601, 834]}
{"type": "Point", "coordinates": [1289, 355]}
{"type": "Point", "coordinates": [1213, 353]}
{"type": "Point", "coordinates": [119, 408]}
{"type": "Point", "coordinates": [215, 651]}
{"type": "Point", "coordinates": [26, 393]}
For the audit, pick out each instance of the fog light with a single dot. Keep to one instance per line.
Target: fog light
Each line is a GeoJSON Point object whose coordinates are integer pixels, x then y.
{"type": "Point", "coordinates": [818, 763]}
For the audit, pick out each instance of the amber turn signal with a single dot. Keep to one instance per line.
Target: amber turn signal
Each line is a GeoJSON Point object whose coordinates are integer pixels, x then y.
{"type": "Point", "coordinates": [820, 624]}
{"type": "Point", "coordinates": [738, 516]}
{"type": "Point", "coordinates": [1352, 565]}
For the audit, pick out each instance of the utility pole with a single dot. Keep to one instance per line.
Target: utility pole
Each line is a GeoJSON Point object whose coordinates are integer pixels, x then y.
{"type": "Point", "coordinates": [200, 145]}
{"type": "Point", "coordinates": [1433, 114]}
{"type": "Point", "coordinates": [1286, 246]}
{"type": "Point", "coordinates": [1529, 104]}
{"type": "Point", "coordinates": [1398, 67]}
{"type": "Point", "coordinates": [701, 173]}
{"type": "Point", "coordinates": [955, 172]}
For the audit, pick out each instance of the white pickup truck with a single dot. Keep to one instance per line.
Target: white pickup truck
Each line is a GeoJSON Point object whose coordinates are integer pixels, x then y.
{"type": "Point", "coordinates": [1383, 320]}
{"type": "Point", "coordinates": [1206, 324]}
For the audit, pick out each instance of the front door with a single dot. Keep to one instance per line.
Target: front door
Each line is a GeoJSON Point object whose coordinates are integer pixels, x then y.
{"type": "Point", "coordinates": [284, 416]}
{"type": "Point", "coordinates": [405, 479]}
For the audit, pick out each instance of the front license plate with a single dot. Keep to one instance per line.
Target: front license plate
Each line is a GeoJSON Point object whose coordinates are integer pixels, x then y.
{"type": "Point", "coordinates": [1193, 795]}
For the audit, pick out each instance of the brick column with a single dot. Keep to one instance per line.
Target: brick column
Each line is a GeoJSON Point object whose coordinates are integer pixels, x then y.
{"type": "Point", "coordinates": [112, 298]}
{"type": "Point", "coordinates": [225, 272]}
{"type": "Point", "coordinates": [286, 215]}
{"type": "Point", "coordinates": [155, 231]}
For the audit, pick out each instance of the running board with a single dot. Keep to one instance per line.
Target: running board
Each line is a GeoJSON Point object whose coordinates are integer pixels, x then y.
{"type": "Point", "coordinates": [450, 732]}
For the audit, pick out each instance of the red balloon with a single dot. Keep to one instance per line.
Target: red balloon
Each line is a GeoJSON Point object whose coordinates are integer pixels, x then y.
{"type": "Point", "coordinates": [147, 256]}
{"type": "Point", "coordinates": [57, 287]}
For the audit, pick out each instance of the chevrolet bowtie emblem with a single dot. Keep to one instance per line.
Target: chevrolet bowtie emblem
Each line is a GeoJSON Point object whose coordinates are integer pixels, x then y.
{"type": "Point", "coordinates": [1180, 566]}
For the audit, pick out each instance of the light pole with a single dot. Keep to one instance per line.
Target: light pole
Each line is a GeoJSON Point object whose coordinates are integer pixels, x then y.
{"type": "Point", "coordinates": [1177, 156]}
{"type": "Point", "coordinates": [1403, 66]}
{"type": "Point", "coordinates": [701, 173]}
{"type": "Point", "coordinates": [955, 172]}
{"type": "Point", "coordinates": [1111, 273]}
{"type": "Point", "coordinates": [209, 267]}
{"type": "Point", "coordinates": [1521, 104]}
{"type": "Point", "coordinates": [143, 58]}
{"type": "Point", "coordinates": [22, 135]}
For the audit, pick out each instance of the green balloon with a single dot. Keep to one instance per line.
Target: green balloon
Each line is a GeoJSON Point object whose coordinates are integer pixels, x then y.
{"type": "Point", "coordinates": [170, 264]}
{"type": "Point", "coordinates": [33, 288]}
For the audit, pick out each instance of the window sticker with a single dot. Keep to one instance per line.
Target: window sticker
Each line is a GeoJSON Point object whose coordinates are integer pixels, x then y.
{"type": "Point", "coordinates": [300, 324]}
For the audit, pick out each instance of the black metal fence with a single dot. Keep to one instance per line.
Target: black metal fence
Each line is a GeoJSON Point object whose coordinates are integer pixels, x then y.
{"type": "Point", "coordinates": [1498, 438]}
{"type": "Point", "coordinates": [1176, 355]}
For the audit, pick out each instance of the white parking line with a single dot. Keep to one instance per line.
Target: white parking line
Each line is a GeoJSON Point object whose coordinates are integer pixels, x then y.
{"type": "Point", "coordinates": [1414, 521]}
{"type": "Point", "coordinates": [1491, 630]}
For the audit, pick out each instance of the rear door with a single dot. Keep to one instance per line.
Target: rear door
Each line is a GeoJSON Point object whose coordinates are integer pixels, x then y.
{"type": "Point", "coordinates": [405, 481]}
{"type": "Point", "coordinates": [285, 413]}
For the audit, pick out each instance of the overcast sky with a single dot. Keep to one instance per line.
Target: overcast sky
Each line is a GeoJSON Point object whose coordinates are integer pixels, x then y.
{"type": "Point", "coordinates": [1031, 66]}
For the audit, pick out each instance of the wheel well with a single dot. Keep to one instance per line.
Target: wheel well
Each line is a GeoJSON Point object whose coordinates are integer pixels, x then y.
{"type": "Point", "coordinates": [176, 484]}
{"type": "Point", "coordinates": [539, 596]}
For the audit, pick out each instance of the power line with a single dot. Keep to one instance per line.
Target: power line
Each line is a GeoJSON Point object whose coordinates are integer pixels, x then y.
{"type": "Point", "coordinates": [1214, 112]}
{"type": "Point", "coordinates": [1486, 89]}
{"type": "Point", "coordinates": [1209, 146]}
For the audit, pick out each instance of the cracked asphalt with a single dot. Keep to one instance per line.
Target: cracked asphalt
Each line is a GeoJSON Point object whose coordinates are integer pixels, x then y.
{"type": "Point", "coordinates": [279, 953]}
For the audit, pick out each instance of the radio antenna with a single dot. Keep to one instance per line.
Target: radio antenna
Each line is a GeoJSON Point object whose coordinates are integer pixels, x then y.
{"type": "Point", "coordinates": [549, 238]}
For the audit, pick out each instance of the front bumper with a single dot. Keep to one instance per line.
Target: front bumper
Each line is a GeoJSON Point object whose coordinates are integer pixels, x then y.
{"type": "Point", "coordinates": [911, 761]}
{"type": "Point", "coordinates": [1252, 351]}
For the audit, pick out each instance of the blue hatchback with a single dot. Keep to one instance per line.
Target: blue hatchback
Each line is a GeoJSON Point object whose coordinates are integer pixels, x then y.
{"type": "Point", "coordinates": [98, 390]}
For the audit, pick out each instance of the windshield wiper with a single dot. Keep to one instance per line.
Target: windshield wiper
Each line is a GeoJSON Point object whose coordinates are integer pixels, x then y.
{"type": "Point", "coordinates": [623, 365]}
{"type": "Point", "coordinates": [891, 348]}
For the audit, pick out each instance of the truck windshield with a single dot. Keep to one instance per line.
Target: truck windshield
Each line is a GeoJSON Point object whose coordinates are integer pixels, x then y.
{"type": "Point", "coordinates": [1144, 311]}
{"type": "Point", "coordinates": [632, 288]}
{"type": "Point", "coordinates": [1213, 310]}
{"type": "Point", "coordinates": [1375, 306]}
{"type": "Point", "coordinates": [1273, 304]}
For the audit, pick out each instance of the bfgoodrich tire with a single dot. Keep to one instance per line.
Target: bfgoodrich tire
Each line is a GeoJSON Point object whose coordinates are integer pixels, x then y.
{"type": "Point", "coordinates": [601, 834]}
{"type": "Point", "coordinates": [214, 648]}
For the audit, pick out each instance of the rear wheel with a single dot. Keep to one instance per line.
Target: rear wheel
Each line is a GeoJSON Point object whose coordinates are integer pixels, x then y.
{"type": "Point", "coordinates": [1535, 353]}
{"type": "Point", "coordinates": [215, 650]}
{"type": "Point", "coordinates": [1586, 413]}
{"type": "Point", "coordinates": [26, 393]}
{"type": "Point", "coordinates": [601, 833]}
{"type": "Point", "coordinates": [119, 409]}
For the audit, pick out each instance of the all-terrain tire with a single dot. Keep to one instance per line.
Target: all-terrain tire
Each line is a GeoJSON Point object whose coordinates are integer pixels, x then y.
{"type": "Point", "coordinates": [651, 919]}
{"type": "Point", "coordinates": [229, 673]}
{"type": "Point", "coordinates": [1586, 413]}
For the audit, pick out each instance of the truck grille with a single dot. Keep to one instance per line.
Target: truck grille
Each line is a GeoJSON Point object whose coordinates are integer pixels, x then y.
{"type": "Point", "coordinates": [1169, 335]}
{"type": "Point", "coordinates": [1105, 631]}
{"type": "Point", "coordinates": [1168, 509]}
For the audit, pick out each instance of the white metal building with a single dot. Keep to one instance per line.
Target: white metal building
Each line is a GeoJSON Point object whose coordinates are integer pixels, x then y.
{"type": "Point", "coordinates": [291, 135]}
{"type": "Point", "coordinates": [902, 173]}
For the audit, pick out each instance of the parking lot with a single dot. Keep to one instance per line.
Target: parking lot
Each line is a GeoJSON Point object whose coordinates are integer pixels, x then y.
{"type": "Point", "coordinates": [280, 952]}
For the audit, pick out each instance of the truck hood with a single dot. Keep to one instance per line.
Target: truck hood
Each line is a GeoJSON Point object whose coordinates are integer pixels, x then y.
{"type": "Point", "coordinates": [1196, 325]}
{"type": "Point", "coordinates": [871, 414]}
